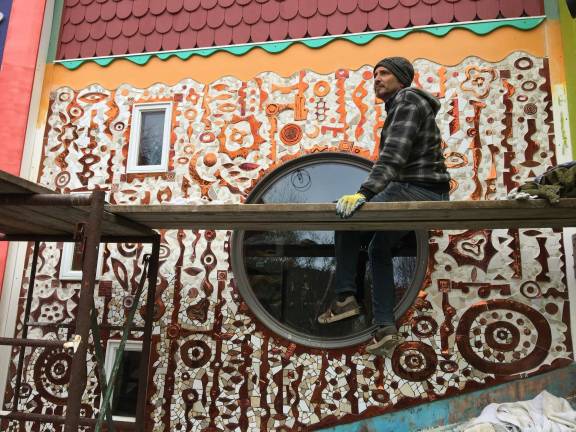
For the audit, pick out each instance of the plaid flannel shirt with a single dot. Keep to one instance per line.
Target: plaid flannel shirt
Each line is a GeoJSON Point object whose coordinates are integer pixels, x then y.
{"type": "Point", "coordinates": [410, 140]}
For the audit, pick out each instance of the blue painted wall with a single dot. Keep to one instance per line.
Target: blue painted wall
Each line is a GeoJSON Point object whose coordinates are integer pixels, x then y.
{"type": "Point", "coordinates": [5, 7]}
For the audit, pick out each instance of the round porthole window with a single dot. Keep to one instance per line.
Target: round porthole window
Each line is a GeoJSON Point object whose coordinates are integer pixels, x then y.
{"type": "Point", "coordinates": [287, 277]}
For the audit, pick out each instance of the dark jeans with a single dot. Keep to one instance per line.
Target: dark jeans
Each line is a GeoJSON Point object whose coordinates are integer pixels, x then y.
{"type": "Point", "coordinates": [348, 245]}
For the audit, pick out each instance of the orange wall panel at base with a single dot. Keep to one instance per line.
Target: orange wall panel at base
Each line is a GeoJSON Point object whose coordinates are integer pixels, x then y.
{"type": "Point", "coordinates": [16, 82]}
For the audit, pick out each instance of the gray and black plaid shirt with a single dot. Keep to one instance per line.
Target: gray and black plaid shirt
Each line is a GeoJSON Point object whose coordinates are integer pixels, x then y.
{"type": "Point", "coordinates": [409, 143]}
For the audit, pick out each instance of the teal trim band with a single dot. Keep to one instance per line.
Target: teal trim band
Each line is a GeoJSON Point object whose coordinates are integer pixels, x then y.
{"type": "Point", "coordinates": [55, 30]}
{"type": "Point", "coordinates": [479, 28]}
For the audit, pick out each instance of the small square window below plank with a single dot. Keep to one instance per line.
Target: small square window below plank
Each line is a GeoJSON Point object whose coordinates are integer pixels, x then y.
{"type": "Point", "coordinates": [71, 262]}
{"type": "Point", "coordinates": [149, 138]}
{"type": "Point", "coordinates": [125, 395]}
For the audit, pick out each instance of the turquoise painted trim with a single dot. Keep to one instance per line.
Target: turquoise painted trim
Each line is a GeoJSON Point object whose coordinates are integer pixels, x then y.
{"type": "Point", "coordinates": [479, 28]}
{"type": "Point", "coordinates": [458, 409]}
{"type": "Point", "coordinates": [416, 419]}
{"type": "Point", "coordinates": [55, 30]}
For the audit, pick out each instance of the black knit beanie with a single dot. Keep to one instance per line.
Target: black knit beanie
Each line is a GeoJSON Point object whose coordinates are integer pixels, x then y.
{"type": "Point", "coordinates": [400, 67]}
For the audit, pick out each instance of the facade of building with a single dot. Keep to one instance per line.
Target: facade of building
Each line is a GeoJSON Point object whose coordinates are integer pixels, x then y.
{"type": "Point", "coordinates": [231, 101]}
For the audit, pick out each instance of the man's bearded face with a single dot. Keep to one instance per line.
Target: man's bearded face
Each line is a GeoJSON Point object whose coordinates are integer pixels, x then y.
{"type": "Point", "coordinates": [385, 83]}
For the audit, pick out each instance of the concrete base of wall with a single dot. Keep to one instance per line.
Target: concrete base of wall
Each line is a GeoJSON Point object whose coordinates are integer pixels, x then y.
{"type": "Point", "coordinates": [446, 414]}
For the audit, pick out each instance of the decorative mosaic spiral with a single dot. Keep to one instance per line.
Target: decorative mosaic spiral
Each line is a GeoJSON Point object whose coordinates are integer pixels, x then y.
{"type": "Point", "coordinates": [119, 126]}
{"type": "Point", "coordinates": [190, 396]}
{"type": "Point", "coordinates": [64, 97]}
{"type": "Point", "coordinates": [128, 249]}
{"type": "Point", "coordinates": [75, 111]}
{"type": "Point", "coordinates": [524, 63]}
{"type": "Point", "coordinates": [424, 326]}
{"type": "Point", "coordinates": [164, 252]}
{"type": "Point", "coordinates": [414, 361]}
{"type": "Point", "coordinates": [529, 86]}
{"type": "Point", "coordinates": [503, 337]}
{"type": "Point", "coordinates": [321, 88]}
{"type": "Point", "coordinates": [291, 134]}
{"type": "Point", "coordinates": [52, 374]}
{"type": "Point", "coordinates": [62, 179]}
{"type": "Point", "coordinates": [530, 109]}
{"type": "Point", "coordinates": [128, 302]}
{"type": "Point", "coordinates": [448, 366]}
{"type": "Point", "coordinates": [25, 391]}
{"type": "Point", "coordinates": [195, 353]}
{"type": "Point", "coordinates": [381, 396]}
{"type": "Point", "coordinates": [209, 260]}
{"type": "Point", "coordinates": [210, 235]}
{"type": "Point", "coordinates": [531, 289]}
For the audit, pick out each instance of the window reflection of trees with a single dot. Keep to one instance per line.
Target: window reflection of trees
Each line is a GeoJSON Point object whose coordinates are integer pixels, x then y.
{"type": "Point", "coordinates": [404, 269]}
{"type": "Point", "coordinates": [291, 273]}
{"type": "Point", "coordinates": [151, 138]}
{"type": "Point", "coordinates": [292, 276]}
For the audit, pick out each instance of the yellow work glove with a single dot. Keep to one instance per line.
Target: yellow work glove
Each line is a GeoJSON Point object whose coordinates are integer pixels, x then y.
{"type": "Point", "coordinates": [348, 204]}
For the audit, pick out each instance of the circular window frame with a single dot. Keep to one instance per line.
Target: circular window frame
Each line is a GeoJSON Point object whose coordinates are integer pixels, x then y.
{"type": "Point", "coordinates": [258, 310]}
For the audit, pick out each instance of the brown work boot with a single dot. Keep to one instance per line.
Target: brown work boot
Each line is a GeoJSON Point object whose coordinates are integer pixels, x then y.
{"type": "Point", "coordinates": [385, 341]}
{"type": "Point", "coordinates": [339, 310]}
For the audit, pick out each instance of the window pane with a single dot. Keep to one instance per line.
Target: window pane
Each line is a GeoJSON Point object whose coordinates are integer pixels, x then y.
{"type": "Point", "coordinates": [77, 257]}
{"type": "Point", "coordinates": [125, 395]}
{"type": "Point", "coordinates": [151, 136]}
{"type": "Point", "coordinates": [291, 273]}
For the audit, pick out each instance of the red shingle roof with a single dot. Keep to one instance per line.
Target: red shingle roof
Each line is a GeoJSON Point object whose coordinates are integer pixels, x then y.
{"type": "Point", "coordinates": [93, 28]}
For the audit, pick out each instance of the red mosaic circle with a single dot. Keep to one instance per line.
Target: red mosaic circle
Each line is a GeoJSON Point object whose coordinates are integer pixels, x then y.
{"type": "Point", "coordinates": [291, 134]}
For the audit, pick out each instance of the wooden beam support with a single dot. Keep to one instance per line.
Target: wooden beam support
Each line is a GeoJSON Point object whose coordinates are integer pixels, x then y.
{"type": "Point", "coordinates": [414, 215]}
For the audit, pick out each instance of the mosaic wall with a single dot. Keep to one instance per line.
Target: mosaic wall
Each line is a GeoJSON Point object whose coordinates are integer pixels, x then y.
{"type": "Point", "coordinates": [494, 305]}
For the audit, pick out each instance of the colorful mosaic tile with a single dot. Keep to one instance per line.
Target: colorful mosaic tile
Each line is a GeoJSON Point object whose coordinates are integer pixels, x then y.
{"type": "Point", "coordinates": [494, 305]}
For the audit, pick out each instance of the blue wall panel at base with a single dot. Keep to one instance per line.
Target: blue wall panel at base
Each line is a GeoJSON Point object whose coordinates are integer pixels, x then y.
{"type": "Point", "coordinates": [5, 7]}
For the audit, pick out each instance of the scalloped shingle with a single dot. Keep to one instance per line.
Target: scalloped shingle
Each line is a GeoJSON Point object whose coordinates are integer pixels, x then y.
{"type": "Point", "coordinates": [100, 28]}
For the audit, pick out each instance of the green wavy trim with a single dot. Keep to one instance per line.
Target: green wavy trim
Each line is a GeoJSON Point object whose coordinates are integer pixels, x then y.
{"type": "Point", "coordinates": [479, 28]}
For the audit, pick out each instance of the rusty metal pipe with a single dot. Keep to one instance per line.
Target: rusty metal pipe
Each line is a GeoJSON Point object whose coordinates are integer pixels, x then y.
{"type": "Point", "coordinates": [80, 200]}
{"type": "Point", "coordinates": [149, 317]}
{"type": "Point", "coordinates": [48, 343]}
{"type": "Point", "coordinates": [90, 258]}
{"type": "Point", "coordinates": [70, 238]}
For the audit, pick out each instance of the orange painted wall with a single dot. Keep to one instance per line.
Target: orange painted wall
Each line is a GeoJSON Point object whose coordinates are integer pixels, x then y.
{"type": "Point", "coordinates": [16, 80]}
{"type": "Point", "coordinates": [338, 54]}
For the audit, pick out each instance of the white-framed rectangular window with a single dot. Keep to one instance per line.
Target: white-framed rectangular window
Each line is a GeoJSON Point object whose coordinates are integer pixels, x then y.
{"type": "Point", "coordinates": [149, 138]}
{"type": "Point", "coordinates": [71, 262]}
{"type": "Point", "coordinates": [125, 395]}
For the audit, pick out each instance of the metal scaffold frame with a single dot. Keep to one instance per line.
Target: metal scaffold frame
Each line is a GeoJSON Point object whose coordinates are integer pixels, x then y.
{"type": "Point", "coordinates": [88, 233]}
